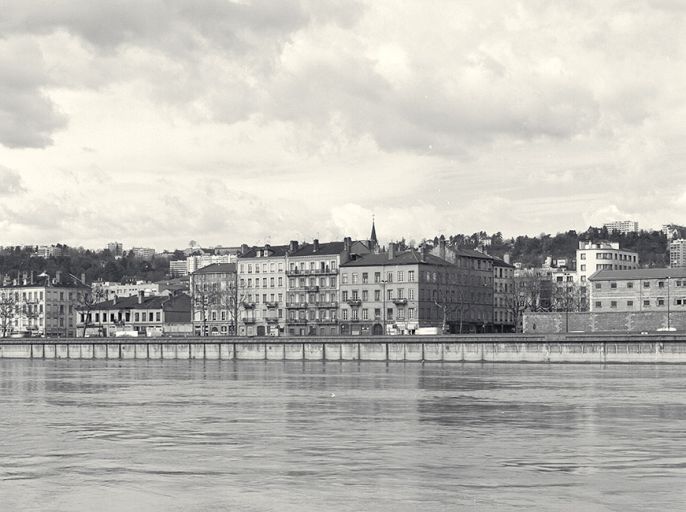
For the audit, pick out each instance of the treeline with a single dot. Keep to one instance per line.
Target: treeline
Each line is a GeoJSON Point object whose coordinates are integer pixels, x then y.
{"type": "Point", "coordinates": [652, 246]}
{"type": "Point", "coordinates": [95, 264]}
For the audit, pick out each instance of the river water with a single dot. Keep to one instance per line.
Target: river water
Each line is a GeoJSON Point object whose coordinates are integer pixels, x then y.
{"type": "Point", "coordinates": [271, 436]}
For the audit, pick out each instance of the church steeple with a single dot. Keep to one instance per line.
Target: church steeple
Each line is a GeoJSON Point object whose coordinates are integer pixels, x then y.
{"type": "Point", "coordinates": [372, 237]}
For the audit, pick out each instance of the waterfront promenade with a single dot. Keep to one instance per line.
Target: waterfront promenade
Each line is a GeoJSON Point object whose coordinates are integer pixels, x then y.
{"type": "Point", "coordinates": [550, 348]}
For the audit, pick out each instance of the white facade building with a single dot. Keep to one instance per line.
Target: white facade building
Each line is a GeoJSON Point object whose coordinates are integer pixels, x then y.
{"type": "Point", "coordinates": [594, 256]}
{"type": "Point", "coordinates": [622, 226]}
{"type": "Point", "coordinates": [677, 253]}
{"type": "Point", "coordinates": [109, 290]}
{"type": "Point", "coordinates": [197, 262]}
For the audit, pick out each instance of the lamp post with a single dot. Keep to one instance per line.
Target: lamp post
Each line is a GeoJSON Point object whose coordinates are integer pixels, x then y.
{"type": "Point", "coordinates": [668, 306]}
{"type": "Point", "coordinates": [383, 307]}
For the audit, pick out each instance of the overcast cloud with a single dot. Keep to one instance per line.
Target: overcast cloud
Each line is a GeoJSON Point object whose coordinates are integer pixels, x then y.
{"type": "Point", "coordinates": [156, 122]}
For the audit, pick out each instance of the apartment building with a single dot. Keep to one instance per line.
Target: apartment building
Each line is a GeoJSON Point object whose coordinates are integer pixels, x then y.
{"type": "Point", "coordinates": [503, 295]}
{"type": "Point", "coordinates": [644, 289]}
{"type": "Point", "coordinates": [677, 253]}
{"type": "Point", "coordinates": [622, 226]}
{"type": "Point", "coordinates": [215, 300]}
{"type": "Point", "coordinates": [313, 291]}
{"type": "Point", "coordinates": [40, 305]}
{"type": "Point", "coordinates": [474, 271]}
{"type": "Point", "coordinates": [594, 256]}
{"type": "Point", "coordinates": [137, 315]}
{"type": "Point", "coordinates": [198, 261]}
{"type": "Point", "coordinates": [143, 253]}
{"type": "Point", "coordinates": [396, 292]}
{"type": "Point", "coordinates": [262, 289]}
{"type": "Point", "coordinates": [107, 290]}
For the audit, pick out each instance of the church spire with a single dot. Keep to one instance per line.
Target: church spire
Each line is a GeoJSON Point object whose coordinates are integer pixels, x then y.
{"type": "Point", "coordinates": [372, 237]}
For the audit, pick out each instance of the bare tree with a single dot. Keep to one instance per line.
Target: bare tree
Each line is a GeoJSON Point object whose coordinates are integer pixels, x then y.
{"type": "Point", "coordinates": [529, 292]}
{"type": "Point", "coordinates": [86, 304]}
{"type": "Point", "coordinates": [8, 311]}
{"type": "Point", "coordinates": [231, 295]}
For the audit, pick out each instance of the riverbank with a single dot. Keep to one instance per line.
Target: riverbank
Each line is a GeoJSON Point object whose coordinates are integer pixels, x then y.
{"type": "Point", "coordinates": [494, 348]}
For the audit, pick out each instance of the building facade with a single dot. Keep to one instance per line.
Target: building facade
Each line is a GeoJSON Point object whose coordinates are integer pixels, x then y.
{"type": "Point", "coordinates": [622, 226]}
{"type": "Point", "coordinates": [116, 249]}
{"type": "Point", "coordinates": [645, 289]}
{"type": "Point", "coordinates": [503, 296]}
{"type": "Point", "coordinates": [594, 256]}
{"type": "Point", "coordinates": [39, 306]}
{"type": "Point", "coordinates": [143, 253]}
{"type": "Point", "coordinates": [198, 261]}
{"type": "Point", "coordinates": [262, 290]}
{"type": "Point", "coordinates": [138, 315]}
{"type": "Point", "coordinates": [677, 253]}
{"type": "Point", "coordinates": [107, 290]}
{"type": "Point", "coordinates": [178, 268]}
{"type": "Point", "coordinates": [214, 300]}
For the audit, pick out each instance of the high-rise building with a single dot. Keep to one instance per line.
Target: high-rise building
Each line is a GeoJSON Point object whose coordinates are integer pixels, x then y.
{"type": "Point", "coordinates": [116, 249]}
{"type": "Point", "coordinates": [143, 253]}
{"type": "Point", "coordinates": [677, 253]}
{"type": "Point", "coordinates": [622, 226]}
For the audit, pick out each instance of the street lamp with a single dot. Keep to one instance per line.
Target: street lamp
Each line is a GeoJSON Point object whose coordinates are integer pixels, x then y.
{"type": "Point", "coordinates": [383, 301]}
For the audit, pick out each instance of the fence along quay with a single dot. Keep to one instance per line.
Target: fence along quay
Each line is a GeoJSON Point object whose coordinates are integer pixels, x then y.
{"type": "Point", "coordinates": [494, 348]}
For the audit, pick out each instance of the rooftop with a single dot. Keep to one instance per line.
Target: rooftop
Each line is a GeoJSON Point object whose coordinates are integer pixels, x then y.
{"type": "Point", "coordinates": [639, 273]}
{"type": "Point", "coordinates": [217, 268]}
{"type": "Point", "coordinates": [411, 257]}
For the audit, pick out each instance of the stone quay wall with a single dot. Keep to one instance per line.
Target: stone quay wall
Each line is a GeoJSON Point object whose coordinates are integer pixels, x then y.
{"type": "Point", "coordinates": [605, 322]}
{"type": "Point", "coordinates": [486, 348]}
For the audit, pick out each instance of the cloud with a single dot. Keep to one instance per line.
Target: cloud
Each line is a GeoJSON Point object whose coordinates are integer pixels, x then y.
{"type": "Point", "coordinates": [10, 182]}
{"type": "Point", "coordinates": [27, 115]}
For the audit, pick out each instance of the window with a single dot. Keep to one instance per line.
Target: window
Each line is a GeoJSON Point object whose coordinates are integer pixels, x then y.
{"type": "Point", "coordinates": [660, 284]}
{"type": "Point", "coordinates": [660, 302]}
{"type": "Point", "coordinates": [646, 303]}
{"type": "Point", "coordinates": [646, 284]}
{"type": "Point", "coordinates": [389, 313]}
{"type": "Point", "coordinates": [410, 313]}
{"type": "Point", "coordinates": [630, 303]}
{"type": "Point", "coordinates": [365, 295]}
{"type": "Point", "coordinates": [389, 277]}
{"type": "Point", "coordinates": [410, 275]}
{"type": "Point", "coordinates": [365, 314]}
{"type": "Point", "coordinates": [583, 256]}
{"type": "Point", "coordinates": [365, 277]}
{"type": "Point", "coordinates": [598, 286]}
{"type": "Point", "coordinates": [401, 276]}
{"type": "Point", "coordinates": [613, 303]}
{"type": "Point", "coordinates": [377, 313]}
{"type": "Point", "coordinates": [411, 293]}
{"type": "Point", "coordinates": [354, 278]}
{"type": "Point", "coordinates": [630, 284]}
{"type": "Point", "coordinates": [377, 295]}
{"type": "Point", "coordinates": [598, 304]}
{"type": "Point", "coordinates": [377, 277]}
{"type": "Point", "coordinates": [613, 285]}
{"type": "Point", "coordinates": [344, 278]}
{"type": "Point", "coordinates": [344, 295]}
{"type": "Point", "coordinates": [353, 315]}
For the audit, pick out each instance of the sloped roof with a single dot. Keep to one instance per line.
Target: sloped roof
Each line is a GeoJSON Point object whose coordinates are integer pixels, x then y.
{"type": "Point", "coordinates": [329, 248]}
{"type": "Point", "coordinates": [217, 268]}
{"type": "Point", "coordinates": [497, 262]}
{"type": "Point", "coordinates": [639, 273]}
{"type": "Point", "coordinates": [275, 250]}
{"type": "Point", "coordinates": [411, 257]}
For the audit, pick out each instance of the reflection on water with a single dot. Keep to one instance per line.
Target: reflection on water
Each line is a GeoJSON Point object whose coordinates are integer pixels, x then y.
{"type": "Point", "coordinates": [262, 436]}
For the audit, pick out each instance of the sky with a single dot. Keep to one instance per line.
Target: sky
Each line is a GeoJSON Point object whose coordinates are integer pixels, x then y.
{"type": "Point", "coordinates": [156, 122]}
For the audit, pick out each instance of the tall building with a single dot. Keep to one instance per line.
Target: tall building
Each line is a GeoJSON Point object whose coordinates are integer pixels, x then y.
{"type": "Point", "coordinates": [677, 253]}
{"type": "Point", "coordinates": [106, 290]}
{"type": "Point", "coordinates": [198, 261]}
{"type": "Point", "coordinates": [116, 249]}
{"type": "Point", "coordinates": [262, 290]}
{"type": "Point", "coordinates": [673, 231]}
{"type": "Point", "coordinates": [622, 226]}
{"type": "Point", "coordinates": [594, 256]}
{"type": "Point", "coordinates": [49, 251]}
{"type": "Point", "coordinates": [503, 295]}
{"type": "Point", "coordinates": [40, 305]}
{"type": "Point", "coordinates": [143, 253]}
{"type": "Point", "coordinates": [214, 299]}
{"type": "Point", "coordinates": [178, 268]}
{"type": "Point", "coordinates": [313, 289]}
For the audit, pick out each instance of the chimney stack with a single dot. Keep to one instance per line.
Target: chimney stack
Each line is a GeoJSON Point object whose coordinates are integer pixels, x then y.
{"type": "Point", "coordinates": [58, 277]}
{"type": "Point", "coordinates": [391, 251]}
{"type": "Point", "coordinates": [441, 247]}
{"type": "Point", "coordinates": [293, 246]}
{"type": "Point", "coordinates": [83, 278]}
{"type": "Point", "coordinates": [244, 248]}
{"type": "Point", "coordinates": [506, 257]}
{"type": "Point", "coordinates": [114, 299]}
{"type": "Point", "coordinates": [267, 249]}
{"type": "Point", "coordinates": [141, 294]}
{"type": "Point", "coordinates": [315, 245]}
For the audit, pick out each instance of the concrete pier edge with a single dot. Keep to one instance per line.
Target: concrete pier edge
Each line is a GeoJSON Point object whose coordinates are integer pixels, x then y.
{"type": "Point", "coordinates": [484, 348]}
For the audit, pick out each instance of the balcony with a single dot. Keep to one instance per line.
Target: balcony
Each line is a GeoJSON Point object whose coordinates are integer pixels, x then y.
{"type": "Point", "coordinates": [272, 320]}
{"type": "Point", "coordinates": [297, 321]}
{"type": "Point", "coordinates": [327, 304]}
{"type": "Point", "coordinates": [309, 272]}
{"type": "Point", "coordinates": [271, 305]}
{"type": "Point", "coordinates": [399, 302]}
{"type": "Point", "coordinates": [312, 288]}
{"type": "Point", "coordinates": [296, 305]}
{"type": "Point", "coordinates": [326, 321]}
{"type": "Point", "coordinates": [354, 302]}
{"type": "Point", "coordinates": [248, 305]}
{"type": "Point", "coordinates": [248, 320]}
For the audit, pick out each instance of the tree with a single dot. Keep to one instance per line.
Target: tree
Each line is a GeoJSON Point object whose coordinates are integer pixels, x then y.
{"type": "Point", "coordinates": [86, 303]}
{"type": "Point", "coordinates": [8, 310]}
{"type": "Point", "coordinates": [530, 292]}
{"type": "Point", "coordinates": [230, 296]}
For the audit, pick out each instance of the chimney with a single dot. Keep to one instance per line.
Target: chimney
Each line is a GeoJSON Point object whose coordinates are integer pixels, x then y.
{"type": "Point", "coordinates": [83, 278]}
{"type": "Point", "coordinates": [293, 246]}
{"type": "Point", "coordinates": [315, 244]}
{"type": "Point", "coordinates": [114, 299]}
{"type": "Point", "coordinates": [244, 248]}
{"type": "Point", "coordinates": [141, 294]}
{"type": "Point", "coordinates": [267, 249]}
{"type": "Point", "coordinates": [422, 252]}
{"type": "Point", "coordinates": [33, 277]}
{"type": "Point", "coordinates": [25, 278]}
{"type": "Point", "coordinates": [347, 244]}
{"type": "Point", "coordinates": [58, 277]}
{"type": "Point", "coordinates": [441, 247]}
{"type": "Point", "coordinates": [391, 251]}
{"type": "Point", "coordinates": [506, 257]}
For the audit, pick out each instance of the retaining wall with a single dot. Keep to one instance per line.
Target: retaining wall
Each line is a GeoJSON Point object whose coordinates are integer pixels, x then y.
{"type": "Point", "coordinates": [568, 348]}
